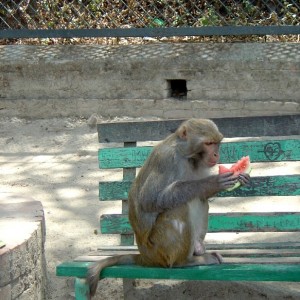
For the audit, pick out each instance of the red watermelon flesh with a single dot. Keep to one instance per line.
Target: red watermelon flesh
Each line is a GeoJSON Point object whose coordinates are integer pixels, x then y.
{"type": "Point", "coordinates": [241, 166]}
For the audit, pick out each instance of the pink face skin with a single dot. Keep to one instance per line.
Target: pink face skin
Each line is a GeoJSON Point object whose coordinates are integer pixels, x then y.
{"type": "Point", "coordinates": [212, 153]}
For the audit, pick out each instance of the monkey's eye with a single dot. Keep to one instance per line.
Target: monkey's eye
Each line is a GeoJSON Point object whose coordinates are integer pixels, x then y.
{"type": "Point", "coordinates": [209, 143]}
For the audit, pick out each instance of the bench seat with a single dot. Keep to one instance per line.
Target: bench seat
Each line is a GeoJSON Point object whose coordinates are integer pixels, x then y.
{"type": "Point", "coordinates": [242, 262]}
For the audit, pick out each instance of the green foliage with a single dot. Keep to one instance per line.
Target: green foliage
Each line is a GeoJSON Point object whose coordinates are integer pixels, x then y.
{"type": "Point", "coordinates": [210, 18]}
{"type": "Point", "coordinates": [107, 13]}
{"type": "Point", "coordinates": [76, 14]}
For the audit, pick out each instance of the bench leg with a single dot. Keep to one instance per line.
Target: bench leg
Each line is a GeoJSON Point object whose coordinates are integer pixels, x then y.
{"type": "Point", "coordinates": [128, 286]}
{"type": "Point", "coordinates": [82, 291]}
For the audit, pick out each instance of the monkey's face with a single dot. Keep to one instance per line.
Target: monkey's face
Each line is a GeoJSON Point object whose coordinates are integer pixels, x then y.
{"type": "Point", "coordinates": [199, 141]}
{"type": "Point", "coordinates": [211, 154]}
{"type": "Point", "coordinates": [205, 155]}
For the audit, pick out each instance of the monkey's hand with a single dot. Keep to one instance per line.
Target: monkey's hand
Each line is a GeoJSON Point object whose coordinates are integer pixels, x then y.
{"type": "Point", "coordinates": [226, 181]}
{"type": "Point", "coordinates": [244, 178]}
{"type": "Point", "coordinates": [216, 183]}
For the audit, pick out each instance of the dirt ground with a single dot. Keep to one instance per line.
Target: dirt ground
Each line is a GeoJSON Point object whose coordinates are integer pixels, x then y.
{"type": "Point", "coordinates": [55, 162]}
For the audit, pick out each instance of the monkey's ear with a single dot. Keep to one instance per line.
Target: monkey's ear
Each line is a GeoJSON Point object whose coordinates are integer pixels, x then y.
{"type": "Point", "coordinates": [182, 132]}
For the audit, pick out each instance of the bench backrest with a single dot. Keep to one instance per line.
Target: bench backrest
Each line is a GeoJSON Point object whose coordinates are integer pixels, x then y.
{"type": "Point", "coordinates": [274, 139]}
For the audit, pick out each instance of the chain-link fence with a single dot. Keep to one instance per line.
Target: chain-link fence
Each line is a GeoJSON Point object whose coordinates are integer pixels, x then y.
{"type": "Point", "coordinates": [34, 15]}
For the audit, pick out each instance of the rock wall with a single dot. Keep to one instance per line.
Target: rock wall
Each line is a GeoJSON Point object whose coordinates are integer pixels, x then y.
{"type": "Point", "coordinates": [22, 260]}
{"type": "Point", "coordinates": [160, 80]}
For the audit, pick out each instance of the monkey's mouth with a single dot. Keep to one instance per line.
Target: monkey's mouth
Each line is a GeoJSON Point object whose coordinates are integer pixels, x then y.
{"type": "Point", "coordinates": [211, 163]}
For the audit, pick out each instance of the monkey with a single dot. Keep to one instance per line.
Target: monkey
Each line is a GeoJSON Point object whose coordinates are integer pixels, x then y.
{"type": "Point", "coordinates": [168, 201]}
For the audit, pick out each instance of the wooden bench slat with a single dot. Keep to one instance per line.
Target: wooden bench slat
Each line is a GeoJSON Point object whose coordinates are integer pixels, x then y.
{"type": "Point", "coordinates": [261, 151]}
{"type": "Point", "coordinates": [227, 260]}
{"type": "Point", "coordinates": [114, 190]}
{"type": "Point", "coordinates": [265, 246]}
{"type": "Point", "coordinates": [121, 132]}
{"type": "Point", "coordinates": [250, 253]}
{"type": "Point", "coordinates": [254, 222]}
{"type": "Point", "coordinates": [287, 185]}
{"type": "Point", "coordinates": [220, 222]}
{"type": "Point", "coordinates": [73, 269]}
{"type": "Point", "coordinates": [220, 246]}
{"type": "Point", "coordinates": [223, 272]}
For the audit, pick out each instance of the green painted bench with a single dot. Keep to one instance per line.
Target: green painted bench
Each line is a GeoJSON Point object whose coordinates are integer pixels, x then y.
{"type": "Point", "coordinates": [270, 250]}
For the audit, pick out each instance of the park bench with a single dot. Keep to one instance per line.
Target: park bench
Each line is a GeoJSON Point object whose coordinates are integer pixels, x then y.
{"type": "Point", "coordinates": [272, 254]}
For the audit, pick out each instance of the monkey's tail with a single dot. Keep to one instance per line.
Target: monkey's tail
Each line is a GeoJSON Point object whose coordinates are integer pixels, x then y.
{"type": "Point", "coordinates": [95, 269]}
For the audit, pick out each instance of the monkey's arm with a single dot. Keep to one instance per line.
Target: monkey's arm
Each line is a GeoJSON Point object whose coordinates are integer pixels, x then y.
{"type": "Point", "coordinates": [180, 192]}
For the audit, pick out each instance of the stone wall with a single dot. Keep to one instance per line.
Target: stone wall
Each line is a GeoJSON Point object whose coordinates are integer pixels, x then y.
{"type": "Point", "coordinates": [138, 80]}
{"type": "Point", "coordinates": [22, 260]}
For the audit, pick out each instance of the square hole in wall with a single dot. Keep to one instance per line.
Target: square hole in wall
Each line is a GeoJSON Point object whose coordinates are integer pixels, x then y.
{"type": "Point", "coordinates": [177, 88]}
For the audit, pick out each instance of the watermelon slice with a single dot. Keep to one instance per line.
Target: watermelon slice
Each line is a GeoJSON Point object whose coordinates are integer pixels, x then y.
{"type": "Point", "coordinates": [241, 166]}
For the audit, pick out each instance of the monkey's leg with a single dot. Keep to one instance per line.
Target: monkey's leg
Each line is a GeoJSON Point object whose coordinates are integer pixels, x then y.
{"type": "Point", "coordinates": [199, 248]}
{"type": "Point", "coordinates": [198, 212]}
{"type": "Point", "coordinates": [170, 241]}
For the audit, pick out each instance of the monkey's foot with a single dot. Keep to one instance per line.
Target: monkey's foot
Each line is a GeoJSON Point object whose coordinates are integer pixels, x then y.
{"type": "Point", "coordinates": [213, 258]}
{"type": "Point", "coordinates": [218, 257]}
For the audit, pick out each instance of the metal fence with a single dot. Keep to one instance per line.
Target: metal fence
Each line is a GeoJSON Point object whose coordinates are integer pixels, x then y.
{"type": "Point", "coordinates": [109, 18]}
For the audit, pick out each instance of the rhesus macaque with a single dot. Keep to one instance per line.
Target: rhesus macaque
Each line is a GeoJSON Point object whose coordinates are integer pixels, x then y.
{"type": "Point", "coordinates": [168, 201]}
